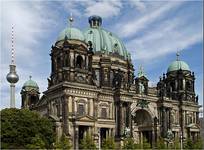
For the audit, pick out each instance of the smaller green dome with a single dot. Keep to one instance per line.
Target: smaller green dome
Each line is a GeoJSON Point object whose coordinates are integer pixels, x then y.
{"type": "Point", "coordinates": [71, 33]}
{"type": "Point", "coordinates": [30, 84]}
{"type": "Point", "coordinates": [177, 65]}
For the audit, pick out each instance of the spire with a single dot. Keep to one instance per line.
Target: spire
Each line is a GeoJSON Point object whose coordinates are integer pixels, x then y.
{"type": "Point", "coordinates": [71, 20]}
{"type": "Point", "coordinates": [177, 55]}
{"type": "Point", "coordinates": [141, 71]}
{"type": "Point", "coordinates": [12, 46]}
{"type": "Point", "coordinates": [70, 24]}
{"type": "Point", "coordinates": [30, 77]}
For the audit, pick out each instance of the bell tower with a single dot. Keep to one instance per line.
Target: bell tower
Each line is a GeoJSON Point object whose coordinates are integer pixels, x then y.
{"type": "Point", "coordinates": [179, 81]}
{"type": "Point", "coordinates": [71, 58]}
{"type": "Point", "coordinates": [30, 94]}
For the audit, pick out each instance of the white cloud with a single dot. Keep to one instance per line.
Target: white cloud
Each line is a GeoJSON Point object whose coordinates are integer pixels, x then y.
{"type": "Point", "coordinates": [104, 8]}
{"type": "Point", "coordinates": [134, 25]}
{"type": "Point", "coordinates": [140, 5]}
{"type": "Point", "coordinates": [33, 21]}
{"type": "Point", "coordinates": [170, 36]}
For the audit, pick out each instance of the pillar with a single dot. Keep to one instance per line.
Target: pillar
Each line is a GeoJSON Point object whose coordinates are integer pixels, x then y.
{"type": "Point", "coordinates": [65, 114]}
{"type": "Point", "coordinates": [121, 119]}
{"type": "Point", "coordinates": [76, 136]}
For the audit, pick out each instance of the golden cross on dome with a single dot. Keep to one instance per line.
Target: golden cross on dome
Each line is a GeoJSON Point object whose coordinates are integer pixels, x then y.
{"type": "Point", "coordinates": [71, 20]}
{"type": "Point", "coordinates": [177, 55]}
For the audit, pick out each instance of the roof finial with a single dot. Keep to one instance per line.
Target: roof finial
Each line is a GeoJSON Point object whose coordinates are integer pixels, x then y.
{"type": "Point", "coordinates": [12, 46]}
{"type": "Point", "coordinates": [70, 20]}
{"type": "Point", "coordinates": [141, 71]}
{"type": "Point", "coordinates": [30, 77]}
{"type": "Point", "coordinates": [177, 55]}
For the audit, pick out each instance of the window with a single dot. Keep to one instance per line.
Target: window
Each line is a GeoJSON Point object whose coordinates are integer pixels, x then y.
{"type": "Point", "coordinates": [58, 62]}
{"type": "Point", "coordinates": [103, 112]}
{"type": "Point", "coordinates": [81, 109]}
{"type": "Point", "coordinates": [79, 62]}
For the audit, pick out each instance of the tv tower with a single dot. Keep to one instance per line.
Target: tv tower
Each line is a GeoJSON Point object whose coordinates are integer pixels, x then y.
{"type": "Point", "coordinates": [12, 76]}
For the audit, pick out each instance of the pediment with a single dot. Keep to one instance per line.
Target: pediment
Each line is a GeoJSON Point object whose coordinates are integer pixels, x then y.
{"type": "Point", "coordinates": [193, 126]}
{"type": "Point", "coordinates": [143, 78]}
{"type": "Point", "coordinates": [85, 118]}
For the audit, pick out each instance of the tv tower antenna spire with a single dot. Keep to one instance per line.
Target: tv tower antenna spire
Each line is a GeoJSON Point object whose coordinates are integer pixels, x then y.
{"type": "Point", "coordinates": [12, 76]}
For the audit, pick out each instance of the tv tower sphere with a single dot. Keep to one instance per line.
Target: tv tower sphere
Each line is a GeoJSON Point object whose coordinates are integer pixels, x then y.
{"type": "Point", "coordinates": [12, 77]}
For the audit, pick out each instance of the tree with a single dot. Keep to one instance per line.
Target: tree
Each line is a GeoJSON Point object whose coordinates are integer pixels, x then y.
{"type": "Point", "coordinates": [161, 143]}
{"type": "Point", "coordinates": [63, 143]}
{"type": "Point", "coordinates": [146, 144]}
{"type": "Point", "coordinates": [130, 144]}
{"type": "Point", "coordinates": [87, 143]}
{"type": "Point", "coordinates": [177, 144]}
{"type": "Point", "coordinates": [108, 143]}
{"type": "Point", "coordinates": [22, 128]}
{"type": "Point", "coordinates": [188, 144]}
{"type": "Point", "coordinates": [198, 144]}
{"type": "Point", "coordinates": [36, 143]}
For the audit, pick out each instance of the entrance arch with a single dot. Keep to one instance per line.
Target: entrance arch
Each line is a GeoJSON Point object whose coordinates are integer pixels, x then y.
{"type": "Point", "coordinates": [143, 126]}
{"type": "Point", "coordinates": [142, 118]}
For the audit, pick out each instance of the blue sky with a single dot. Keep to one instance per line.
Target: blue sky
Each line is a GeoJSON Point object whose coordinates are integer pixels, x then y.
{"type": "Point", "coordinates": [152, 31]}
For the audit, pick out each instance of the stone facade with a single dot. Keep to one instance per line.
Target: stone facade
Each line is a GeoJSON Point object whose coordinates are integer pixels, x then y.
{"type": "Point", "coordinates": [96, 93]}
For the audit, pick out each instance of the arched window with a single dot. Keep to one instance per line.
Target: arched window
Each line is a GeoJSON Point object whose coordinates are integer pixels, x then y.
{"type": "Point", "coordinates": [81, 109]}
{"type": "Point", "coordinates": [172, 84]}
{"type": "Point", "coordinates": [66, 60]}
{"type": "Point", "coordinates": [103, 112]}
{"type": "Point", "coordinates": [58, 62]}
{"type": "Point", "coordinates": [79, 61]}
{"type": "Point", "coordinates": [188, 86]}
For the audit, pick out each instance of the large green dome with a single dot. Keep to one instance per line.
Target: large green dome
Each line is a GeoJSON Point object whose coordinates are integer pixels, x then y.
{"type": "Point", "coordinates": [30, 84]}
{"type": "Point", "coordinates": [71, 33]}
{"type": "Point", "coordinates": [103, 40]}
{"type": "Point", "coordinates": [177, 65]}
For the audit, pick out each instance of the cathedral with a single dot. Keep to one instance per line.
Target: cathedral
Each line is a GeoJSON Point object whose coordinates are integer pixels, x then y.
{"type": "Point", "coordinates": [92, 90]}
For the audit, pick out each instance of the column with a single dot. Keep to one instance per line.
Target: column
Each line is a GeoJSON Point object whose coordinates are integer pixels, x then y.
{"type": "Point", "coordinates": [76, 136]}
{"type": "Point", "coordinates": [121, 119]}
{"type": "Point", "coordinates": [184, 84]}
{"type": "Point", "coordinates": [65, 114]}
{"type": "Point", "coordinates": [129, 117]}
{"type": "Point", "coordinates": [116, 120]}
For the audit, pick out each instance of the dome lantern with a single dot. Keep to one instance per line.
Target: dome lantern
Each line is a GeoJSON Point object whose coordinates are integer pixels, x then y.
{"type": "Point", "coordinates": [30, 84]}
{"type": "Point", "coordinates": [95, 21]}
{"type": "Point", "coordinates": [70, 33]}
{"type": "Point", "coordinates": [178, 65]}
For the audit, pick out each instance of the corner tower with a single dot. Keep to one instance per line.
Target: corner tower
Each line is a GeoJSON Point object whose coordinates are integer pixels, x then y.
{"type": "Point", "coordinates": [71, 58]}
{"type": "Point", "coordinates": [30, 94]}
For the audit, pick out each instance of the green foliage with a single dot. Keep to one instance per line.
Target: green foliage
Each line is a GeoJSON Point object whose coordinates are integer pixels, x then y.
{"type": "Point", "coordinates": [188, 144]}
{"type": "Point", "coordinates": [22, 128]}
{"type": "Point", "coordinates": [108, 143]}
{"type": "Point", "coordinates": [87, 143]}
{"type": "Point", "coordinates": [146, 145]}
{"type": "Point", "coordinates": [161, 144]}
{"type": "Point", "coordinates": [64, 143]}
{"type": "Point", "coordinates": [177, 144]}
{"type": "Point", "coordinates": [37, 143]}
{"type": "Point", "coordinates": [197, 144]}
{"type": "Point", "coordinates": [130, 144]}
